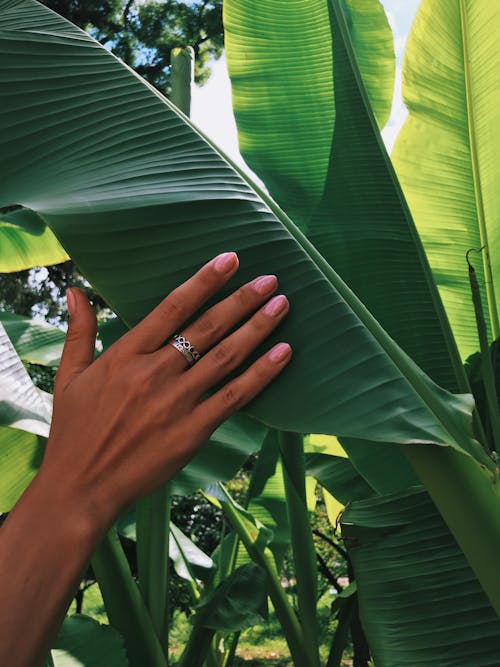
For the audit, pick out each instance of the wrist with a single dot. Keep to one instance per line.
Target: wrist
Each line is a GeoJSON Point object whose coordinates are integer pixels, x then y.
{"type": "Point", "coordinates": [70, 513]}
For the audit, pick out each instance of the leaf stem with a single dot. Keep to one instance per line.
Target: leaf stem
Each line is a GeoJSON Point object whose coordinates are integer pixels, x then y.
{"type": "Point", "coordinates": [487, 372]}
{"type": "Point", "coordinates": [153, 519]}
{"type": "Point", "coordinates": [304, 554]}
{"type": "Point", "coordinates": [197, 647]}
{"type": "Point", "coordinates": [124, 605]}
{"type": "Point", "coordinates": [264, 557]}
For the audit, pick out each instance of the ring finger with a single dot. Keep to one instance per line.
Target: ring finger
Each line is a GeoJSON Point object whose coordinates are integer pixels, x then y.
{"type": "Point", "coordinates": [216, 322]}
{"type": "Point", "coordinates": [233, 350]}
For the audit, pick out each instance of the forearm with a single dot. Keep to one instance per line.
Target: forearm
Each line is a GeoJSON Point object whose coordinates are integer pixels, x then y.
{"type": "Point", "coordinates": [45, 545]}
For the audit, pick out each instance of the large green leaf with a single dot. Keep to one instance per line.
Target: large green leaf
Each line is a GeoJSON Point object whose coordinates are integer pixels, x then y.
{"type": "Point", "coordinates": [420, 602]}
{"type": "Point", "coordinates": [140, 199]}
{"type": "Point", "coordinates": [21, 454]}
{"type": "Point", "coordinates": [359, 221]}
{"type": "Point", "coordinates": [83, 641]}
{"type": "Point", "coordinates": [363, 228]}
{"type": "Point", "coordinates": [447, 152]}
{"type": "Point", "coordinates": [226, 451]}
{"type": "Point", "coordinates": [22, 405]}
{"type": "Point", "coordinates": [280, 61]}
{"type": "Point", "coordinates": [237, 603]}
{"type": "Point", "coordinates": [35, 341]}
{"type": "Point", "coordinates": [25, 414]}
{"type": "Point", "coordinates": [26, 241]}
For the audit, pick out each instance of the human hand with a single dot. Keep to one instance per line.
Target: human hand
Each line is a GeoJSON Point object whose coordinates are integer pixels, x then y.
{"type": "Point", "coordinates": [128, 421]}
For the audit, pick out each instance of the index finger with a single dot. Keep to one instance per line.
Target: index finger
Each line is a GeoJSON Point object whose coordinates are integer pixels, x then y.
{"type": "Point", "coordinates": [168, 316]}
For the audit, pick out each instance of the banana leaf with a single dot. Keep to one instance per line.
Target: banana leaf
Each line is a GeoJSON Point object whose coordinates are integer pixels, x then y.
{"type": "Point", "coordinates": [361, 225]}
{"type": "Point", "coordinates": [35, 341]}
{"type": "Point", "coordinates": [280, 62]}
{"type": "Point", "coordinates": [26, 241]}
{"type": "Point", "coordinates": [446, 154]}
{"type": "Point", "coordinates": [83, 641]}
{"type": "Point", "coordinates": [22, 405]}
{"type": "Point", "coordinates": [359, 220]}
{"type": "Point", "coordinates": [420, 603]}
{"type": "Point", "coordinates": [139, 199]}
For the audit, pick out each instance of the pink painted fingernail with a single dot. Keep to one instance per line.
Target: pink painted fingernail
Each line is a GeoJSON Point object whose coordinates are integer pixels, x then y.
{"type": "Point", "coordinates": [71, 301]}
{"type": "Point", "coordinates": [225, 262]}
{"type": "Point", "coordinates": [264, 284]}
{"type": "Point", "coordinates": [276, 306]}
{"type": "Point", "coordinates": [280, 352]}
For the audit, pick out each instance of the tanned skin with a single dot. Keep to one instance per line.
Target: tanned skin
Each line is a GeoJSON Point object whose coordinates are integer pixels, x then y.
{"type": "Point", "coordinates": [122, 426]}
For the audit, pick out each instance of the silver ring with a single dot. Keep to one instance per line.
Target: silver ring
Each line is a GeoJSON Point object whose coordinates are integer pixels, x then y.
{"type": "Point", "coordinates": [188, 351]}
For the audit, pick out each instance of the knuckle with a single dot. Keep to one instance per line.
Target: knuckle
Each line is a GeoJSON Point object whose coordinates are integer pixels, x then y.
{"type": "Point", "coordinates": [172, 308]}
{"type": "Point", "coordinates": [223, 354]}
{"type": "Point", "coordinates": [260, 322]}
{"type": "Point", "coordinates": [208, 326]}
{"type": "Point", "coordinates": [245, 296]}
{"type": "Point", "coordinates": [232, 397]}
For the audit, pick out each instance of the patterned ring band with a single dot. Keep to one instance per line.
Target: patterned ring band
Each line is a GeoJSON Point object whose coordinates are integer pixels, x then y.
{"type": "Point", "coordinates": [185, 348]}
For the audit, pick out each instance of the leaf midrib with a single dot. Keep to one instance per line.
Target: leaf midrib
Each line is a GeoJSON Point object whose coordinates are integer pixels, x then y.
{"type": "Point", "coordinates": [478, 191]}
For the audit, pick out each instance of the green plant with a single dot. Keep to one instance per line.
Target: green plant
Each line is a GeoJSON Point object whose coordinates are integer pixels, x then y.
{"type": "Point", "coordinates": [109, 167]}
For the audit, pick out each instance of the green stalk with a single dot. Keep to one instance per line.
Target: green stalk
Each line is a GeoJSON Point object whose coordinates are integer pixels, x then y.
{"type": "Point", "coordinates": [182, 75]}
{"type": "Point", "coordinates": [304, 554]}
{"type": "Point", "coordinates": [468, 497]}
{"type": "Point", "coordinates": [229, 659]}
{"type": "Point", "coordinates": [124, 604]}
{"type": "Point", "coordinates": [153, 520]}
{"type": "Point", "coordinates": [341, 632]}
{"type": "Point", "coordinates": [197, 647]}
{"type": "Point", "coordinates": [487, 372]}
{"type": "Point", "coordinates": [264, 557]}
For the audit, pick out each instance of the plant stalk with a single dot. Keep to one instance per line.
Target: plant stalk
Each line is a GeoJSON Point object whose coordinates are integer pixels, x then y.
{"type": "Point", "coordinates": [304, 553]}
{"type": "Point", "coordinates": [153, 520]}
{"type": "Point", "coordinates": [124, 605]}
{"type": "Point", "coordinates": [182, 73]}
{"type": "Point", "coordinates": [197, 647]}
{"type": "Point", "coordinates": [341, 633]}
{"type": "Point", "coordinates": [284, 611]}
{"type": "Point", "coordinates": [487, 371]}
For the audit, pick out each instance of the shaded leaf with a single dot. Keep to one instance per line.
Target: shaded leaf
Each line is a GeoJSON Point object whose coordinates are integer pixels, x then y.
{"type": "Point", "coordinates": [84, 642]}
{"type": "Point", "coordinates": [237, 603]}
{"type": "Point", "coordinates": [420, 602]}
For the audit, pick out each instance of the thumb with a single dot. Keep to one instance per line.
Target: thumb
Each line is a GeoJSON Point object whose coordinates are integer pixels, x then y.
{"type": "Point", "coordinates": [79, 346]}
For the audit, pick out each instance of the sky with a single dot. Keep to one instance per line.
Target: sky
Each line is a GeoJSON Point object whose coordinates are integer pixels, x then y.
{"type": "Point", "coordinates": [211, 107]}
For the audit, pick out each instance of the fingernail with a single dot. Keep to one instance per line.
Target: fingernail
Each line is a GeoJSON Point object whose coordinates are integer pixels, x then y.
{"type": "Point", "coordinates": [225, 262]}
{"type": "Point", "coordinates": [276, 306]}
{"type": "Point", "coordinates": [70, 301]}
{"type": "Point", "coordinates": [280, 352]}
{"type": "Point", "coordinates": [264, 284]}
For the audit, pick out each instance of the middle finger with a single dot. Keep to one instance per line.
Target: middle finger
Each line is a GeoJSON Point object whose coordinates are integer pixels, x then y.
{"type": "Point", "coordinates": [233, 350]}
{"type": "Point", "coordinates": [216, 322]}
